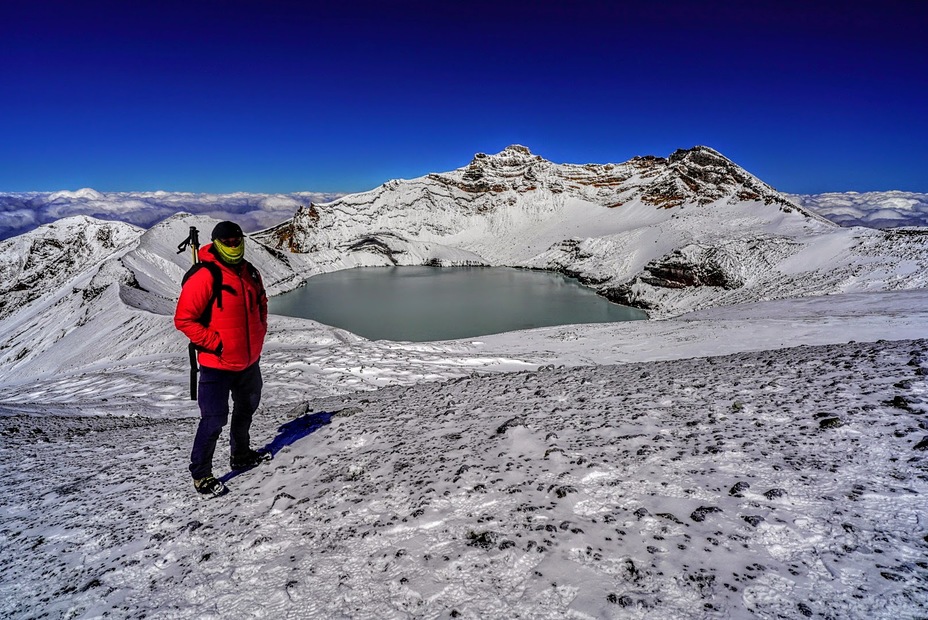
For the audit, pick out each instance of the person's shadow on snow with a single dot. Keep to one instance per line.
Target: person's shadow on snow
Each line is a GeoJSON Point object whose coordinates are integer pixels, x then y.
{"type": "Point", "coordinates": [296, 429]}
{"type": "Point", "coordinates": [288, 434]}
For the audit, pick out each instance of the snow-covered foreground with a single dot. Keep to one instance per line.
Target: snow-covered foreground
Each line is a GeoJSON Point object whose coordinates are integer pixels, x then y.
{"type": "Point", "coordinates": [687, 468]}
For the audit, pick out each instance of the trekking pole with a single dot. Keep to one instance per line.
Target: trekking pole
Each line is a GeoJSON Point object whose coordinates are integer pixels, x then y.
{"type": "Point", "coordinates": [192, 240]}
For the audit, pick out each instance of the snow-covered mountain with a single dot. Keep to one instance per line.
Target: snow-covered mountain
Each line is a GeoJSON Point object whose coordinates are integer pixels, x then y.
{"type": "Point", "coordinates": [517, 194]}
{"type": "Point", "coordinates": [670, 235]}
{"type": "Point", "coordinates": [21, 212]}
{"type": "Point", "coordinates": [893, 209]}
{"type": "Point", "coordinates": [34, 264]}
{"type": "Point", "coordinates": [24, 211]}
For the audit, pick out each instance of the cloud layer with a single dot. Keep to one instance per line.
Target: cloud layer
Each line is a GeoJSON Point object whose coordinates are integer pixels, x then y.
{"type": "Point", "coordinates": [21, 212]}
{"type": "Point", "coordinates": [873, 209]}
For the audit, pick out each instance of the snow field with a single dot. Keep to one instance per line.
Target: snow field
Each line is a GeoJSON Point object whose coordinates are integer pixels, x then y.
{"type": "Point", "coordinates": [769, 484]}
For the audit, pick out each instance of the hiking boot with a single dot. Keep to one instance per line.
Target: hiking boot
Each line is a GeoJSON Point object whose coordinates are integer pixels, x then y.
{"type": "Point", "coordinates": [209, 486]}
{"type": "Point", "coordinates": [247, 460]}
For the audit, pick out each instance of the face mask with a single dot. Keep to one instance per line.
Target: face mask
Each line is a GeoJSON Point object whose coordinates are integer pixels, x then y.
{"type": "Point", "coordinates": [232, 256]}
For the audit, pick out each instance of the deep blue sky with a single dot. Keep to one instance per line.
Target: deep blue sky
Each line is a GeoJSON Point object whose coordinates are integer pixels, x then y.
{"type": "Point", "coordinates": [271, 96]}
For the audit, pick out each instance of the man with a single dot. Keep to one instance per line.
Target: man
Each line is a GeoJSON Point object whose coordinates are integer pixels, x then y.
{"type": "Point", "coordinates": [227, 326]}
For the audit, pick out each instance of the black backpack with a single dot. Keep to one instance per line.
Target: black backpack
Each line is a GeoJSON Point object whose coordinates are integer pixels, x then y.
{"type": "Point", "coordinates": [218, 287]}
{"type": "Point", "coordinates": [207, 316]}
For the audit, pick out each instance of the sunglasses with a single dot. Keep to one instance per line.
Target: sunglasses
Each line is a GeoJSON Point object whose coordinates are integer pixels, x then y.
{"type": "Point", "coordinates": [232, 242]}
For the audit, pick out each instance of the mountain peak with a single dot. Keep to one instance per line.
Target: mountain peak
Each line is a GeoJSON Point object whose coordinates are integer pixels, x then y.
{"type": "Point", "coordinates": [701, 175]}
{"type": "Point", "coordinates": [45, 258]}
{"type": "Point", "coordinates": [700, 155]}
{"type": "Point", "coordinates": [516, 149]}
{"type": "Point", "coordinates": [511, 168]}
{"type": "Point", "coordinates": [85, 193]}
{"type": "Point", "coordinates": [512, 155]}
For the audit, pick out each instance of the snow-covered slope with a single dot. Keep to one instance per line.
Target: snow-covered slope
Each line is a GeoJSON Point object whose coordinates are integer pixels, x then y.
{"type": "Point", "coordinates": [113, 308]}
{"type": "Point", "coordinates": [40, 263]}
{"type": "Point", "coordinates": [776, 484]}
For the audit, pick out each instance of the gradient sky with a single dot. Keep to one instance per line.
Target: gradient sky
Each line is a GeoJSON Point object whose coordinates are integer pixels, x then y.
{"type": "Point", "coordinates": [280, 96]}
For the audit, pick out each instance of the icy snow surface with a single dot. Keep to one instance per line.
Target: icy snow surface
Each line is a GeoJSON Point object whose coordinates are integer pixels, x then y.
{"type": "Point", "coordinates": [711, 473]}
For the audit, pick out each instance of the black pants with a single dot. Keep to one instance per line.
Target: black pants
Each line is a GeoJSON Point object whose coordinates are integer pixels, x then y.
{"type": "Point", "coordinates": [213, 392]}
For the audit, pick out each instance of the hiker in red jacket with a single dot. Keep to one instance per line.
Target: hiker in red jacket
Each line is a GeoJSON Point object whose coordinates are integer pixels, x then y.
{"type": "Point", "coordinates": [226, 322]}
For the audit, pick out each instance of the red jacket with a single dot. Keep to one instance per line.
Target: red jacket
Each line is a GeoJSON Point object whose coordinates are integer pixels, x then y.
{"type": "Point", "coordinates": [239, 325]}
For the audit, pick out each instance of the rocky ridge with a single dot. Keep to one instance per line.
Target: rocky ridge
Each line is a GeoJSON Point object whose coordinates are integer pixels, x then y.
{"type": "Point", "coordinates": [493, 183]}
{"type": "Point", "coordinates": [699, 175]}
{"type": "Point", "coordinates": [32, 265]}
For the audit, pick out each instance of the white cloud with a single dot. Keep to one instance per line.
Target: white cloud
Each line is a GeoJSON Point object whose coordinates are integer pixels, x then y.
{"type": "Point", "coordinates": [17, 219]}
{"type": "Point", "coordinates": [22, 212]}
{"type": "Point", "coordinates": [874, 209]}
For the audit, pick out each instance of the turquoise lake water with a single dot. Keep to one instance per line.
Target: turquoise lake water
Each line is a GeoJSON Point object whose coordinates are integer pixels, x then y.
{"type": "Point", "coordinates": [441, 303]}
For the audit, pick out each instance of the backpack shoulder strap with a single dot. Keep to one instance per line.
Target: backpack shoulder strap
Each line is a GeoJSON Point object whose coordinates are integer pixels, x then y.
{"type": "Point", "coordinates": [216, 295]}
{"type": "Point", "coordinates": [256, 276]}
